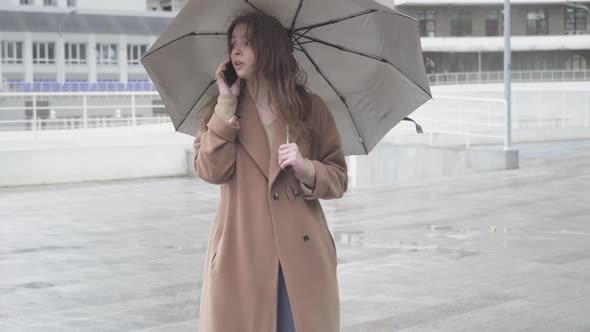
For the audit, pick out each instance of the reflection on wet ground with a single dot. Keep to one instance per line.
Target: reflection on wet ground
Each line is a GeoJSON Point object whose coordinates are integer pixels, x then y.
{"type": "Point", "coordinates": [498, 251]}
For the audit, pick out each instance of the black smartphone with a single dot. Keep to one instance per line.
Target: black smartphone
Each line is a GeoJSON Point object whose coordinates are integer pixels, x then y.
{"type": "Point", "coordinates": [230, 74]}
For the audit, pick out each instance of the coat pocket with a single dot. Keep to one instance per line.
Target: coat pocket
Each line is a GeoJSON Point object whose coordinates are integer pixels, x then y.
{"type": "Point", "coordinates": [331, 246]}
{"type": "Point", "coordinates": [212, 261]}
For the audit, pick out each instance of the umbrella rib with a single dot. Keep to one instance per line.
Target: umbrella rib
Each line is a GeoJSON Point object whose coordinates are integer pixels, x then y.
{"type": "Point", "coordinates": [196, 102]}
{"type": "Point", "coordinates": [334, 21]}
{"type": "Point", "coordinates": [248, 2]}
{"type": "Point", "coordinates": [186, 35]}
{"type": "Point", "coordinates": [337, 20]}
{"type": "Point", "coordinates": [301, 35]}
{"type": "Point", "coordinates": [370, 56]}
{"type": "Point", "coordinates": [317, 68]}
{"type": "Point", "coordinates": [296, 14]}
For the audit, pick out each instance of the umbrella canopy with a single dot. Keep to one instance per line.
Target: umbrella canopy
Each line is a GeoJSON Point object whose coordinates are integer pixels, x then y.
{"type": "Point", "coordinates": [362, 58]}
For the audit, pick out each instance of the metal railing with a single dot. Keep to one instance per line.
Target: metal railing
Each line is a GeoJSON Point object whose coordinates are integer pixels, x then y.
{"type": "Point", "coordinates": [60, 110]}
{"type": "Point", "coordinates": [461, 118]}
{"type": "Point", "coordinates": [517, 76]}
{"type": "Point", "coordinates": [467, 121]}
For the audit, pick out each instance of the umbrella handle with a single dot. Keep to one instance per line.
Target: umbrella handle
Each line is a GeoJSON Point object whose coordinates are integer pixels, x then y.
{"type": "Point", "coordinates": [287, 133]}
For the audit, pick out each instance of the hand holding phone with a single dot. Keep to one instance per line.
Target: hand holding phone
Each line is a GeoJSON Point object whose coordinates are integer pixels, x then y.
{"type": "Point", "coordinates": [230, 74]}
{"type": "Point", "coordinates": [227, 79]}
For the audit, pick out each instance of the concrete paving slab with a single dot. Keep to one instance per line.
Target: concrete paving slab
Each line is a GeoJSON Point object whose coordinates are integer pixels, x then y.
{"type": "Point", "coordinates": [497, 251]}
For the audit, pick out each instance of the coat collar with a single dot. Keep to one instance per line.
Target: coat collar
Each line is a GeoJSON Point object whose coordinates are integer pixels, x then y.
{"type": "Point", "coordinates": [253, 138]}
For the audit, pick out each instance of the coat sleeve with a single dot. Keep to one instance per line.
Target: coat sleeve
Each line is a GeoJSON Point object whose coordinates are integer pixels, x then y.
{"type": "Point", "coordinates": [331, 174]}
{"type": "Point", "coordinates": [215, 149]}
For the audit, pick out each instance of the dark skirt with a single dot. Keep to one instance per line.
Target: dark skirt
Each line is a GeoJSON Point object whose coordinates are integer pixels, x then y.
{"type": "Point", "coordinates": [284, 316]}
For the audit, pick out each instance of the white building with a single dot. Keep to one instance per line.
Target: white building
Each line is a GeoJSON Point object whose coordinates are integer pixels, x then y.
{"type": "Point", "coordinates": [76, 41]}
{"type": "Point", "coordinates": [84, 42]}
{"type": "Point", "coordinates": [136, 5]}
{"type": "Point", "coordinates": [467, 35]}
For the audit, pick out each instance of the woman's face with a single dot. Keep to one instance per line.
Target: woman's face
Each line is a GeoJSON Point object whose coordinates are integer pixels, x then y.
{"type": "Point", "coordinates": [242, 55]}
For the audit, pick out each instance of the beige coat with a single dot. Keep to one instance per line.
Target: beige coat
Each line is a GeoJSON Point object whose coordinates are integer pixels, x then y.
{"type": "Point", "coordinates": [256, 225]}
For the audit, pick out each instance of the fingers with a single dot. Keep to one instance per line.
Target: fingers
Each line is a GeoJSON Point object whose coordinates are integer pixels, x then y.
{"type": "Point", "coordinates": [288, 149]}
{"type": "Point", "coordinates": [289, 146]}
{"type": "Point", "coordinates": [287, 162]}
{"type": "Point", "coordinates": [288, 154]}
{"type": "Point", "coordinates": [222, 67]}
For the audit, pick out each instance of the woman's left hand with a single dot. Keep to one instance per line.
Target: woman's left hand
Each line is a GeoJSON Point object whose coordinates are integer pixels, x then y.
{"type": "Point", "coordinates": [289, 155]}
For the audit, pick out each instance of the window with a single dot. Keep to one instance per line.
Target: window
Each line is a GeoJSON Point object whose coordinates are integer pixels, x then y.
{"type": "Point", "coordinates": [536, 21]}
{"type": "Point", "coordinates": [427, 22]}
{"type": "Point", "coordinates": [27, 2]}
{"type": "Point", "coordinates": [43, 52]}
{"type": "Point", "coordinates": [538, 62]}
{"type": "Point", "coordinates": [52, 3]}
{"type": "Point", "coordinates": [75, 53]}
{"type": "Point", "coordinates": [494, 21]}
{"type": "Point", "coordinates": [575, 21]}
{"type": "Point", "coordinates": [106, 54]}
{"type": "Point", "coordinates": [12, 52]}
{"type": "Point", "coordinates": [429, 64]}
{"type": "Point", "coordinates": [576, 62]}
{"type": "Point", "coordinates": [461, 22]}
{"type": "Point", "coordinates": [134, 53]}
{"type": "Point", "coordinates": [71, 3]}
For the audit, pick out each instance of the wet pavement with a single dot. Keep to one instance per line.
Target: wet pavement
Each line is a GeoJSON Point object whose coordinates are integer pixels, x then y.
{"type": "Point", "coordinates": [497, 251]}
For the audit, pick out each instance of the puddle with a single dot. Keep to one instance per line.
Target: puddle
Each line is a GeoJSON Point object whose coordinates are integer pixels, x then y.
{"type": "Point", "coordinates": [452, 232]}
{"type": "Point", "coordinates": [37, 285]}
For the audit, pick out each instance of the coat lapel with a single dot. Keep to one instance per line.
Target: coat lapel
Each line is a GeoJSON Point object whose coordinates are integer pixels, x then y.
{"type": "Point", "coordinates": [253, 138]}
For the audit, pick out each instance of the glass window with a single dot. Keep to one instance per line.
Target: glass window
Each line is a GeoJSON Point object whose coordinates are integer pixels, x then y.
{"type": "Point", "coordinates": [576, 62]}
{"type": "Point", "coordinates": [494, 22]}
{"type": "Point", "coordinates": [106, 54]}
{"type": "Point", "coordinates": [537, 21]}
{"type": "Point", "coordinates": [575, 21]}
{"type": "Point", "coordinates": [539, 62]}
{"type": "Point", "coordinates": [43, 52]}
{"type": "Point", "coordinates": [427, 22]}
{"type": "Point", "coordinates": [71, 3]}
{"type": "Point", "coordinates": [461, 22]}
{"type": "Point", "coordinates": [26, 2]}
{"type": "Point", "coordinates": [52, 3]}
{"type": "Point", "coordinates": [135, 52]}
{"type": "Point", "coordinates": [11, 52]}
{"type": "Point", "coordinates": [429, 64]}
{"type": "Point", "coordinates": [75, 53]}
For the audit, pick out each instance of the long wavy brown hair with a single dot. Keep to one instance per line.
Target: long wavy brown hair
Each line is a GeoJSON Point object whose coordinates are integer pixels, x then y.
{"type": "Point", "coordinates": [274, 60]}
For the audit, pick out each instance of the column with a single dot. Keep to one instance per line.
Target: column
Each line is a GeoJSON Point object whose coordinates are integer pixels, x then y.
{"type": "Point", "coordinates": [1, 59]}
{"type": "Point", "coordinates": [123, 74]}
{"type": "Point", "coordinates": [28, 57]}
{"type": "Point", "coordinates": [60, 60]}
{"type": "Point", "coordinates": [91, 59]}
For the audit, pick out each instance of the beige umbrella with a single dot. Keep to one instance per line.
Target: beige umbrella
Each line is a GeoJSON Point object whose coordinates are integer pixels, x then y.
{"type": "Point", "coordinates": [362, 58]}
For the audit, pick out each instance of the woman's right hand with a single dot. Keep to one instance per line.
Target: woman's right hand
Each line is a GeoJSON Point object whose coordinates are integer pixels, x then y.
{"type": "Point", "coordinates": [224, 89]}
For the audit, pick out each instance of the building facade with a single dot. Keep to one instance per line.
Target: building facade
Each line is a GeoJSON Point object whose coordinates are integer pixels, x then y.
{"type": "Point", "coordinates": [467, 35]}
{"type": "Point", "coordinates": [69, 46]}
{"type": "Point", "coordinates": [87, 44]}
{"type": "Point", "coordinates": [134, 5]}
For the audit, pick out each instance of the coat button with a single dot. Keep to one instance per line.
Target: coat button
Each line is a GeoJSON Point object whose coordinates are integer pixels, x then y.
{"type": "Point", "coordinates": [275, 196]}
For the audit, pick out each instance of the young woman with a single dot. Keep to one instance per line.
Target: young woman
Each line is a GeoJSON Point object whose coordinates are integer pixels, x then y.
{"type": "Point", "coordinates": [274, 148]}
